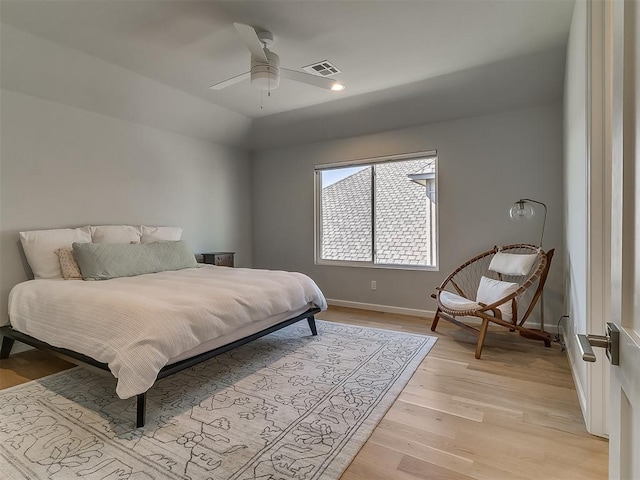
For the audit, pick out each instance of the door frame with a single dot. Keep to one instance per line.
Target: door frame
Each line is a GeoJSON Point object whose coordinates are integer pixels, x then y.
{"type": "Point", "coordinates": [599, 154]}
{"type": "Point", "coordinates": [593, 393]}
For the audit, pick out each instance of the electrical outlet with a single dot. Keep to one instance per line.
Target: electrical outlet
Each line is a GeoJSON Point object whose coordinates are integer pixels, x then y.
{"type": "Point", "coordinates": [374, 285]}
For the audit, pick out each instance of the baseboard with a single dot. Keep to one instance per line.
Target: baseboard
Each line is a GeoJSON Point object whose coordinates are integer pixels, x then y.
{"type": "Point", "coordinates": [374, 307]}
{"type": "Point", "coordinates": [19, 347]}
{"type": "Point", "coordinates": [381, 308]}
{"type": "Point", "coordinates": [580, 388]}
{"type": "Point", "coordinates": [582, 397]}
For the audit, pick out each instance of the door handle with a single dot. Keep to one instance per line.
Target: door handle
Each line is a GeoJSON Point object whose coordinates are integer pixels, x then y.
{"type": "Point", "coordinates": [610, 342]}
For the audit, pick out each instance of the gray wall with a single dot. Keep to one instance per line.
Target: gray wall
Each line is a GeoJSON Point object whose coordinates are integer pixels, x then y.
{"type": "Point", "coordinates": [44, 69]}
{"type": "Point", "coordinates": [62, 166]}
{"type": "Point", "coordinates": [485, 164]}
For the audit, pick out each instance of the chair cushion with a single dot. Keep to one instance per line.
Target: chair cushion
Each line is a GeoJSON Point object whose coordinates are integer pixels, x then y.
{"type": "Point", "coordinates": [491, 291]}
{"type": "Point", "coordinates": [512, 263]}
{"type": "Point", "coordinates": [456, 302]}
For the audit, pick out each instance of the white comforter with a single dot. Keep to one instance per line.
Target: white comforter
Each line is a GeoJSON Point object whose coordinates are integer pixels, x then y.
{"type": "Point", "coordinates": [136, 324]}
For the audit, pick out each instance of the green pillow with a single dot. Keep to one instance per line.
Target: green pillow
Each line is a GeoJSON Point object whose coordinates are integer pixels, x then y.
{"type": "Point", "coordinates": [102, 261]}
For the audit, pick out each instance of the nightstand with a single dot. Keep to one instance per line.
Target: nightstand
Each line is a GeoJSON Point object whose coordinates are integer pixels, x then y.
{"type": "Point", "coordinates": [221, 259]}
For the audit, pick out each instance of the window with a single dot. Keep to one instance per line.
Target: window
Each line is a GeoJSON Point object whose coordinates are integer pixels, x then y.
{"type": "Point", "coordinates": [378, 212]}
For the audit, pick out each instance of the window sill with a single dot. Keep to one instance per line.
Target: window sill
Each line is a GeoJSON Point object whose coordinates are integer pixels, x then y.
{"type": "Point", "coordinates": [338, 263]}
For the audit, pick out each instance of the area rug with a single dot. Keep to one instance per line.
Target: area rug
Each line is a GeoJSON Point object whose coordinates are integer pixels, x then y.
{"type": "Point", "coordinates": [288, 406]}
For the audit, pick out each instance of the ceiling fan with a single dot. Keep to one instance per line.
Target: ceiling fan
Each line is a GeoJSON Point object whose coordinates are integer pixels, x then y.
{"type": "Point", "coordinates": [265, 72]}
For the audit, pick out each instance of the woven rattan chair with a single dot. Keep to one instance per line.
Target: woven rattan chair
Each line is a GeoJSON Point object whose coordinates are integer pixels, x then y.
{"type": "Point", "coordinates": [505, 278]}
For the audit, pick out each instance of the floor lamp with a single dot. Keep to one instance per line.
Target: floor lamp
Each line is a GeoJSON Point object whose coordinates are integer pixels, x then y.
{"type": "Point", "coordinates": [523, 210]}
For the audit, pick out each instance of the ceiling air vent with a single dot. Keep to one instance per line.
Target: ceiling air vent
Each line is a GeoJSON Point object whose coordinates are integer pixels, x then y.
{"type": "Point", "coordinates": [323, 69]}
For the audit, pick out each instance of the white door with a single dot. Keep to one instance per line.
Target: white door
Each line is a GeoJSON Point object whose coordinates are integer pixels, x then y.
{"type": "Point", "coordinates": [622, 42]}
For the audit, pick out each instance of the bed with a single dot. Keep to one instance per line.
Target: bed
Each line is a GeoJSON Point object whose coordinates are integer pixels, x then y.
{"type": "Point", "coordinates": [145, 327]}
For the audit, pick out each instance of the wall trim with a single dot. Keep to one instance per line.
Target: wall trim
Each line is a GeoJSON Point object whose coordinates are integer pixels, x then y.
{"type": "Point", "coordinates": [580, 389]}
{"type": "Point", "coordinates": [20, 347]}
{"type": "Point", "coordinates": [374, 307]}
{"type": "Point", "coordinates": [381, 308]}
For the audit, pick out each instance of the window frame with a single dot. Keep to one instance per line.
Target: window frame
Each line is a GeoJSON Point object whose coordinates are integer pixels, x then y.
{"type": "Point", "coordinates": [317, 220]}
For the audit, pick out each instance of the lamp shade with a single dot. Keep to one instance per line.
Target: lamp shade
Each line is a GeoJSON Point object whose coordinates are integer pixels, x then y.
{"type": "Point", "coordinates": [521, 210]}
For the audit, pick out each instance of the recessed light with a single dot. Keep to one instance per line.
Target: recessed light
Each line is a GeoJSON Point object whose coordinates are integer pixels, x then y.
{"type": "Point", "coordinates": [336, 87]}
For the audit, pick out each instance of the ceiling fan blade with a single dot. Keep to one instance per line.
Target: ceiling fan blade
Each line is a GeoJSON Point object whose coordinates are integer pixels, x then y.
{"type": "Point", "coordinates": [250, 38]}
{"type": "Point", "coordinates": [231, 81]}
{"type": "Point", "coordinates": [322, 82]}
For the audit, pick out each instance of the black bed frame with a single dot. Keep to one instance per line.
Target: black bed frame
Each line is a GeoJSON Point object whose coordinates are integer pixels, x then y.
{"type": "Point", "coordinates": [10, 336]}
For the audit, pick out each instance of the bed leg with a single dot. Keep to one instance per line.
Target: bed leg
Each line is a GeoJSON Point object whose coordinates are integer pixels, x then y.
{"type": "Point", "coordinates": [142, 406]}
{"type": "Point", "coordinates": [7, 344]}
{"type": "Point", "coordinates": [312, 325]}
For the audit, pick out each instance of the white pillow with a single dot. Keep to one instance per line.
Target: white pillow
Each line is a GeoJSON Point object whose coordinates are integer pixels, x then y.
{"type": "Point", "coordinates": [40, 248]}
{"type": "Point", "coordinates": [116, 234]}
{"type": "Point", "coordinates": [491, 291]}
{"type": "Point", "coordinates": [160, 234]}
{"type": "Point", "coordinates": [512, 263]}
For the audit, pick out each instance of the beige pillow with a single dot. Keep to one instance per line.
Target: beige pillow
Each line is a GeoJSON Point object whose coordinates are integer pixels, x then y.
{"type": "Point", "coordinates": [68, 264]}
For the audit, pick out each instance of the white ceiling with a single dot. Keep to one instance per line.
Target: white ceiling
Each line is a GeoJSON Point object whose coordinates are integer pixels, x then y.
{"type": "Point", "coordinates": [378, 45]}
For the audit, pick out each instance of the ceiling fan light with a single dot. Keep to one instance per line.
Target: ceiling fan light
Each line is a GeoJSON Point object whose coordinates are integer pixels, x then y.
{"type": "Point", "coordinates": [337, 87]}
{"type": "Point", "coordinates": [265, 78]}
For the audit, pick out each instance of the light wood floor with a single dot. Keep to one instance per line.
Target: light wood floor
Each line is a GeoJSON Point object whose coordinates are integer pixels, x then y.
{"type": "Point", "coordinates": [512, 415]}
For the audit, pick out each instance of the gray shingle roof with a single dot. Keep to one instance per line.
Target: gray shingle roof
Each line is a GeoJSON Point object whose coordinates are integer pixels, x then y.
{"type": "Point", "coordinates": [346, 218]}
{"type": "Point", "coordinates": [403, 222]}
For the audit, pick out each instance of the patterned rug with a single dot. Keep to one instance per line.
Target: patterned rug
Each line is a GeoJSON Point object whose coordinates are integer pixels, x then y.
{"type": "Point", "coordinates": [288, 406]}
